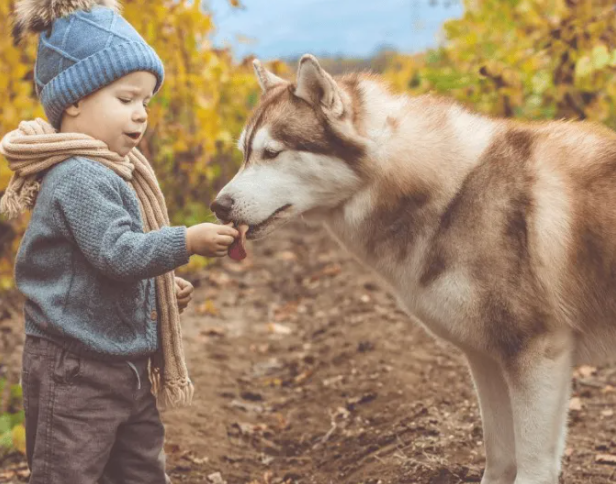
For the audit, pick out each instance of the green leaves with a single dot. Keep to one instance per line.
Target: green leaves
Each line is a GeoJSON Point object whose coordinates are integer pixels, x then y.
{"type": "Point", "coordinates": [12, 432]}
{"type": "Point", "coordinates": [193, 120]}
{"type": "Point", "coordinates": [533, 59]}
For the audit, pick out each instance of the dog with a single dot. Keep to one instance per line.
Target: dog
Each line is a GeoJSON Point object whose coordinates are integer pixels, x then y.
{"type": "Point", "coordinates": [499, 236]}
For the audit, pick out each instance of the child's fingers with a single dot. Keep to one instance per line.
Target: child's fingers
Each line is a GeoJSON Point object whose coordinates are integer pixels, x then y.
{"type": "Point", "coordinates": [183, 302]}
{"type": "Point", "coordinates": [227, 230]}
{"type": "Point", "coordinates": [220, 248]}
{"type": "Point", "coordinates": [188, 288]}
{"type": "Point", "coordinates": [181, 282]}
{"type": "Point", "coordinates": [225, 240]}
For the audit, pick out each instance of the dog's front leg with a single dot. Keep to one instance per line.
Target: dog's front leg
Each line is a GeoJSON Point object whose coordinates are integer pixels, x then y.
{"type": "Point", "coordinates": [539, 382]}
{"type": "Point", "coordinates": [497, 419]}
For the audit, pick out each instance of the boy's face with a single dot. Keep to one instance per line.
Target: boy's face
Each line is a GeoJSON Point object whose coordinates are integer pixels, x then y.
{"type": "Point", "coordinates": [115, 114]}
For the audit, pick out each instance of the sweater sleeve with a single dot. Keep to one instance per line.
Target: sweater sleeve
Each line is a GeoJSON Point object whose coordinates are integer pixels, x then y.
{"type": "Point", "coordinates": [89, 210]}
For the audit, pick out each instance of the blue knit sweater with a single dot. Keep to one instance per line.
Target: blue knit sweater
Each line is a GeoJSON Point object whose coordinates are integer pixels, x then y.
{"type": "Point", "coordinates": [86, 268]}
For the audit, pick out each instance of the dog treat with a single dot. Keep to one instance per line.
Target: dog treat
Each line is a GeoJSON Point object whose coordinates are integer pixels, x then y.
{"type": "Point", "coordinates": [237, 251]}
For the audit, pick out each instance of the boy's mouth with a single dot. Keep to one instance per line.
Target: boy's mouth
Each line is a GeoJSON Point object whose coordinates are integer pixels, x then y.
{"type": "Point", "coordinates": [135, 135]}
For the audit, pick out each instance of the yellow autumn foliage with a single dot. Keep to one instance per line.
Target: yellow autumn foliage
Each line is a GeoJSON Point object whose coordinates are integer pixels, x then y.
{"type": "Point", "coordinates": [194, 119]}
{"type": "Point", "coordinates": [533, 59]}
{"type": "Point", "coordinates": [18, 437]}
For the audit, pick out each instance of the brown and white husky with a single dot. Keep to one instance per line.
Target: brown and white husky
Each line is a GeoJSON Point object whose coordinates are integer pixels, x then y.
{"type": "Point", "coordinates": [499, 236]}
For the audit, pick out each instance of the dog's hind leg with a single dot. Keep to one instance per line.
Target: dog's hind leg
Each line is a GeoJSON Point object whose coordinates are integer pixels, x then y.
{"type": "Point", "coordinates": [539, 382]}
{"type": "Point", "coordinates": [497, 419]}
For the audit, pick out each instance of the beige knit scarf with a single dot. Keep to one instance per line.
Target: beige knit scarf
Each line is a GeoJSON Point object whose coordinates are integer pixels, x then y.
{"type": "Point", "coordinates": [36, 146]}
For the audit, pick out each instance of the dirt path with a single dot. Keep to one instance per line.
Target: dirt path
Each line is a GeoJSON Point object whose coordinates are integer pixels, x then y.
{"type": "Point", "coordinates": [306, 372]}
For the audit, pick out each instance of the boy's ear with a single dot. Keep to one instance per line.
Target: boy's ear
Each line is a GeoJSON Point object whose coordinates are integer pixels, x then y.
{"type": "Point", "coordinates": [73, 110]}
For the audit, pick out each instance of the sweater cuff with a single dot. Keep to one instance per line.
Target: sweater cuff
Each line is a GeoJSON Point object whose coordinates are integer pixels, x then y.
{"type": "Point", "coordinates": [178, 245]}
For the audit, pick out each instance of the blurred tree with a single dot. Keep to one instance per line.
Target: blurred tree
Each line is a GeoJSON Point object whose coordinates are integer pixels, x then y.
{"type": "Point", "coordinates": [534, 59]}
{"type": "Point", "coordinates": [194, 119]}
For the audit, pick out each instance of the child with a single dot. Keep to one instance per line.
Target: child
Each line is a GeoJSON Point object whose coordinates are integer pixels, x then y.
{"type": "Point", "coordinates": [96, 261]}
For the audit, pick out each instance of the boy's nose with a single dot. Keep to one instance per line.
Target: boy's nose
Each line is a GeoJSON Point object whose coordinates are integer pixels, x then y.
{"type": "Point", "coordinates": [222, 207]}
{"type": "Point", "coordinates": [140, 117]}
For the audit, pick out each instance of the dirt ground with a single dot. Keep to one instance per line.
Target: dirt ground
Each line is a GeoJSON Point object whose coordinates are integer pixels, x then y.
{"type": "Point", "coordinates": [307, 372]}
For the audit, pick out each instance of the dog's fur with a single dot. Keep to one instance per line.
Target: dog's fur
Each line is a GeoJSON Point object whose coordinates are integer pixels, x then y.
{"type": "Point", "coordinates": [499, 236]}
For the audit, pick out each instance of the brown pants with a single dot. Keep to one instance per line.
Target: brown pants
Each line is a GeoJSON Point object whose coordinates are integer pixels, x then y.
{"type": "Point", "coordinates": [89, 421]}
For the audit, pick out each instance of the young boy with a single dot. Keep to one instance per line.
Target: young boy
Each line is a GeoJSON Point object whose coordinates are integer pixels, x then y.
{"type": "Point", "coordinates": [85, 264]}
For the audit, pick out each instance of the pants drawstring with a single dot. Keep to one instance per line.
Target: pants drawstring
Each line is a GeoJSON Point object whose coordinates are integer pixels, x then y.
{"type": "Point", "coordinates": [134, 368]}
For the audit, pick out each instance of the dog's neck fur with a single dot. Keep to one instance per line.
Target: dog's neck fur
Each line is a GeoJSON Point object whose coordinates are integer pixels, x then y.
{"type": "Point", "coordinates": [420, 148]}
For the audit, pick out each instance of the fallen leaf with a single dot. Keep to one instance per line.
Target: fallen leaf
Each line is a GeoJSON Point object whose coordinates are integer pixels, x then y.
{"type": "Point", "coordinates": [272, 382]}
{"type": "Point", "coordinates": [303, 376]}
{"type": "Point", "coordinates": [585, 371]}
{"type": "Point", "coordinates": [276, 328]}
{"type": "Point", "coordinates": [267, 477]}
{"type": "Point", "coordinates": [608, 459]}
{"type": "Point", "coordinates": [208, 307]}
{"type": "Point", "coordinates": [216, 478]}
{"type": "Point", "coordinates": [189, 456]}
{"type": "Point", "coordinates": [575, 404]}
{"type": "Point", "coordinates": [352, 402]}
{"type": "Point", "coordinates": [333, 380]}
{"type": "Point", "coordinates": [341, 413]}
{"type": "Point", "coordinates": [286, 255]}
{"type": "Point", "coordinates": [328, 271]}
{"type": "Point", "coordinates": [247, 406]}
{"type": "Point", "coordinates": [282, 423]}
{"type": "Point", "coordinates": [247, 429]}
{"type": "Point", "coordinates": [286, 312]}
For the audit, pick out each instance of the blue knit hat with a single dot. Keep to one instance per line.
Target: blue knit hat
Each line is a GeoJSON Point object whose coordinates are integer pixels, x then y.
{"type": "Point", "coordinates": [84, 46]}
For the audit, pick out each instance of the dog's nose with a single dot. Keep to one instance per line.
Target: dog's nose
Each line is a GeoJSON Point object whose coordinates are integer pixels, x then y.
{"type": "Point", "coordinates": [222, 207]}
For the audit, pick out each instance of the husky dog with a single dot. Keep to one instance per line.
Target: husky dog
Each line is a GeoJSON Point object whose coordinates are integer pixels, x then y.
{"type": "Point", "coordinates": [499, 236]}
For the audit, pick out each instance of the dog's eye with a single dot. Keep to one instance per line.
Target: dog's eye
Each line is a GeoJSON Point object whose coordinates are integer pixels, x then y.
{"type": "Point", "coordinates": [270, 154]}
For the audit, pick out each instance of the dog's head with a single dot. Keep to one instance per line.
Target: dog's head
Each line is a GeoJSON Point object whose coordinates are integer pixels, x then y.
{"type": "Point", "coordinates": [302, 152]}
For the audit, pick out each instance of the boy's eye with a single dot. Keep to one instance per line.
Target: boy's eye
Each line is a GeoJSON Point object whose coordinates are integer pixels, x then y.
{"type": "Point", "coordinates": [124, 101]}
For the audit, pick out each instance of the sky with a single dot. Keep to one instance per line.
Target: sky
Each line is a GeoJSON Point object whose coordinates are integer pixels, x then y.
{"type": "Point", "coordinates": [355, 28]}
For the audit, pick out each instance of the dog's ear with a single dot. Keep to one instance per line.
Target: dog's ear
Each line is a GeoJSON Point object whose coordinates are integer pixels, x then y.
{"type": "Point", "coordinates": [267, 79]}
{"type": "Point", "coordinates": [317, 87]}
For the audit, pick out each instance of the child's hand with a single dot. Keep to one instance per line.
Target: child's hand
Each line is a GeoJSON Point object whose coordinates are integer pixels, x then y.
{"type": "Point", "coordinates": [210, 240]}
{"type": "Point", "coordinates": [183, 292]}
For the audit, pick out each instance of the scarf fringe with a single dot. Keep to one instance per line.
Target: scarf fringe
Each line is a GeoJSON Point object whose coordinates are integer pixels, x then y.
{"type": "Point", "coordinates": [173, 394]}
{"type": "Point", "coordinates": [29, 193]}
{"type": "Point", "coordinates": [11, 204]}
{"type": "Point", "coordinates": [177, 396]}
{"type": "Point", "coordinates": [19, 196]}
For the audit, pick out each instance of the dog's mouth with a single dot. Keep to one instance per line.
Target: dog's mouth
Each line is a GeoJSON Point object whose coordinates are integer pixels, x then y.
{"type": "Point", "coordinates": [255, 230]}
{"type": "Point", "coordinates": [237, 250]}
